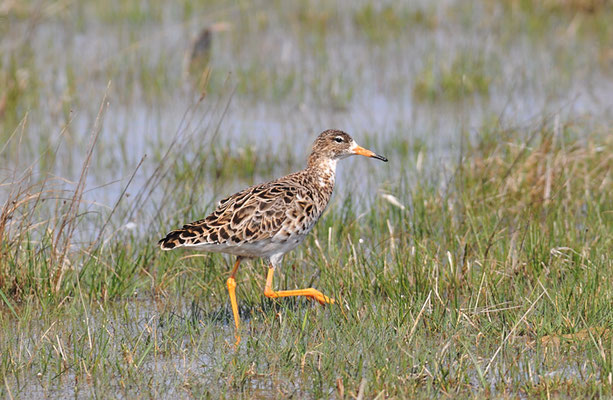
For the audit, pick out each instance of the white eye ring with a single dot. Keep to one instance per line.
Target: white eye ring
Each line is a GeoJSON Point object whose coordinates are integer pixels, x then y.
{"type": "Point", "coordinates": [339, 139]}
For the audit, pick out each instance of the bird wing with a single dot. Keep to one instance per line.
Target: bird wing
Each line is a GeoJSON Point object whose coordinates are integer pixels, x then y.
{"type": "Point", "coordinates": [274, 210]}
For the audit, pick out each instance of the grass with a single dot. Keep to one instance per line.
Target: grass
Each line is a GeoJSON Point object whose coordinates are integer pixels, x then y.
{"type": "Point", "coordinates": [465, 76]}
{"type": "Point", "coordinates": [381, 23]}
{"type": "Point", "coordinates": [482, 274]}
{"type": "Point", "coordinates": [496, 282]}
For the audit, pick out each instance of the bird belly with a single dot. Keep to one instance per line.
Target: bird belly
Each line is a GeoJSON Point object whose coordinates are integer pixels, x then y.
{"type": "Point", "coordinates": [262, 248]}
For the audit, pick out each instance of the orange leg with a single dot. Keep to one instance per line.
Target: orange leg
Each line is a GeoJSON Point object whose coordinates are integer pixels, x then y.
{"type": "Point", "coordinates": [310, 292]}
{"type": "Point", "coordinates": [232, 290]}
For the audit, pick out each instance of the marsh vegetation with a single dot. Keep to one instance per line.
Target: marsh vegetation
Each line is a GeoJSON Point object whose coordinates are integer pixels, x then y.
{"type": "Point", "coordinates": [475, 263]}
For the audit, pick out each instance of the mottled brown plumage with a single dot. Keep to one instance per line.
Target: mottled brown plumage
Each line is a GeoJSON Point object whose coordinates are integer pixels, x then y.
{"type": "Point", "coordinates": [269, 211]}
{"type": "Point", "coordinates": [270, 219]}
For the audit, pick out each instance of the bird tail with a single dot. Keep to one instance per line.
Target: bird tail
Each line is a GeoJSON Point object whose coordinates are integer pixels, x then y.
{"type": "Point", "coordinates": [172, 240]}
{"type": "Point", "coordinates": [189, 235]}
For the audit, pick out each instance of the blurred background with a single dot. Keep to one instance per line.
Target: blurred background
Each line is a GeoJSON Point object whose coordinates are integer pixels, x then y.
{"type": "Point", "coordinates": [250, 84]}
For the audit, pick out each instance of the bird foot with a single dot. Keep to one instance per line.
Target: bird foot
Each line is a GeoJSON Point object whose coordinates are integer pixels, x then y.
{"type": "Point", "coordinates": [321, 298]}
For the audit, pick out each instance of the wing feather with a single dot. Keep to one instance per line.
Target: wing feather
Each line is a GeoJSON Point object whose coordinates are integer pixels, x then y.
{"type": "Point", "coordinates": [274, 210]}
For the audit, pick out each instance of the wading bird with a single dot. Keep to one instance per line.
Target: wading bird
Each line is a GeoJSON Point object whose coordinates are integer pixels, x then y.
{"type": "Point", "coordinates": [270, 219]}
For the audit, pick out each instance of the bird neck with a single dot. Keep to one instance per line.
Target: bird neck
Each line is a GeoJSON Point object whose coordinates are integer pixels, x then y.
{"type": "Point", "coordinates": [323, 169]}
{"type": "Point", "coordinates": [321, 162]}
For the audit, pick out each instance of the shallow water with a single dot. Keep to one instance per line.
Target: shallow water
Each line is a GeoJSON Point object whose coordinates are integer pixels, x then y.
{"type": "Point", "coordinates": [336, 76]}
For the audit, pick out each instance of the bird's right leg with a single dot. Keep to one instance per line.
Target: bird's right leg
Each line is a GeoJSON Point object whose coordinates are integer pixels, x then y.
{"type": "Point", "coordinates": [310, 292]}
{"type": "Point", "coordinates": [231, 282]}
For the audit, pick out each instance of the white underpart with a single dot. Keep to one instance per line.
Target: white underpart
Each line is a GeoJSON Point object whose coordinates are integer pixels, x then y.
{"type": "Point", "coordinates": [266, 248]}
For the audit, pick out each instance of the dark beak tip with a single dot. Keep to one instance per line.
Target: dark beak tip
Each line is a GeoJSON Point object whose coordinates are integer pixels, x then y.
{"type": "Point", "coordinates": [378, 157]}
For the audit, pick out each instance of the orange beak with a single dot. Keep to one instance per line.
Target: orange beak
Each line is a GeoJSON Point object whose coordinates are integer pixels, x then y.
{"type": "Point", "coordinates": [367, 153]}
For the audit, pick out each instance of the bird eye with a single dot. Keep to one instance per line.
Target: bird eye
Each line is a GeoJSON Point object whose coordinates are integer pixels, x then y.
{"type": "Point", "coordinates": [338, 139]}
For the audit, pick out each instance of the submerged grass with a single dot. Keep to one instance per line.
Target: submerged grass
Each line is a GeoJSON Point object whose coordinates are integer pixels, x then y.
{"type": "Point", "coordinates": [494, 281]}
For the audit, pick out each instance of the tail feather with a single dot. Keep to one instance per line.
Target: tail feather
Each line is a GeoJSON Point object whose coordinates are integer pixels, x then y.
{"type": "Point", "coordinates": [190, 234]}
{"type": "Point", "coordinates": [172, 240]}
